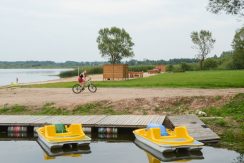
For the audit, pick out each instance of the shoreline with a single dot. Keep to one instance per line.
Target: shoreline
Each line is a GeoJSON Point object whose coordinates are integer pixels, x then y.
{"type": "Point", "coordinates": [222, 112]}
{"type": "Point", "coordinates": [26, 76]}
{"type": "Point", "coordinates": [95, 77]}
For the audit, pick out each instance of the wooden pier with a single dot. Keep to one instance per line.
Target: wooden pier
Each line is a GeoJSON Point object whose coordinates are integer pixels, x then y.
{"type": "Point", "coordinates": [126, 121]}
{"type": "Point", "coordinates": [195, 126]}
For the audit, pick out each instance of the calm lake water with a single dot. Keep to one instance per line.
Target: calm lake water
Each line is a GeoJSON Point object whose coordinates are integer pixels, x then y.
{"type": "Point", "coordinates": [104, 151]}
{"type": "Point", "coordinates": [8, 76]}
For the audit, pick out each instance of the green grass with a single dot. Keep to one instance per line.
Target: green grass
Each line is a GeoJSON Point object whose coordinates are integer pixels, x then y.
{"type": "Point", "coordinates": [50, 109]}
{"type": "Point", "coordinates": [15, 109]}
{"type": "Point", "coordinates": [234, 109]}
{"type": "Point", "coordinates": [93, 108]}
{"type": "Point", "coordinates": [231, 126]}
{"type": "Point", "coordinates": [191, 79]}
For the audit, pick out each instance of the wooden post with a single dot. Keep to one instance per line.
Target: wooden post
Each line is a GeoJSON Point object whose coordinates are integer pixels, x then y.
{"type": "Point", "coordinates": [78, 70]}
{"type": "Point", "coordinates": [113, 71]}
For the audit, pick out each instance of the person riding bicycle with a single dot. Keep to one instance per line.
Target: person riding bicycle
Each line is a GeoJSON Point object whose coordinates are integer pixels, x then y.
{"type": "Point", "coordinates": [82, 79]}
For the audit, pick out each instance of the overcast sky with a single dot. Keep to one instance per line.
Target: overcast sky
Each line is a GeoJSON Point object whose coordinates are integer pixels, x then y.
{"type": "Point", "coordinates": [62, 30]}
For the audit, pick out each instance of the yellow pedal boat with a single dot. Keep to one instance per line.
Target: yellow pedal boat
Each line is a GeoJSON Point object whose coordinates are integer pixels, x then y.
{"type": "Point", "coordinates": [59, 135]}
{"type": "Point", "coordinates": [168, 141]}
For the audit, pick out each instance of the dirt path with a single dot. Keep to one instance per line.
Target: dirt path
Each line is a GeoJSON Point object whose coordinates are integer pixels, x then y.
{"type": "Point", "coordinates": [66, 98]}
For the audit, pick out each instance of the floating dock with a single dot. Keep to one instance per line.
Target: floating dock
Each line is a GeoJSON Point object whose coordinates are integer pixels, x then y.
{"type": "Point", "coordinates": [125, 121]}
{"type": "Point", "coordinates": [195, 126]}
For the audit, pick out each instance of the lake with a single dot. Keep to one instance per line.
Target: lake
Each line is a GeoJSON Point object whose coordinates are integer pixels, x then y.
{"type": "Point", "coordinates": [103, 149]}
{"type": "Point", "coordinates": [7, 76]}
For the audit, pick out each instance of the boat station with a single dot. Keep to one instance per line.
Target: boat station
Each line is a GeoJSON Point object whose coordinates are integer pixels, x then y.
{"type": "Point", "coordinates": [109, 123]}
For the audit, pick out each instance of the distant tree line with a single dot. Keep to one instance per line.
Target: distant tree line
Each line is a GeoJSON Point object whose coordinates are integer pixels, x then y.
{"type": "Point", "coordinates": [156, 62]}
{"type": "Point", "coordinates": [74, 64]}
{"type": "Point", "coordinates": [45, 64]}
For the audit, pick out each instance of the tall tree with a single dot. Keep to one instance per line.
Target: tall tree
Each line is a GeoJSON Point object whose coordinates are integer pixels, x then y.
{"type": "Point", "coordinates": [115, 43]}
{"type": "Point", "coordinates": [233, 7]}
{"type": "Point", "coordinates": [238, 46]}
{"type": "Point", "coordinates": [203, 42]}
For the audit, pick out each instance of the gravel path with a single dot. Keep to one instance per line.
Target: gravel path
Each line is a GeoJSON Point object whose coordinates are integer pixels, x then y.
{"type": "Point", "coordinates": [65, 97]}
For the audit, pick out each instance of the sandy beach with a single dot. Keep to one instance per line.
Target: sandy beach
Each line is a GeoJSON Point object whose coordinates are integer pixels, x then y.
{"type": "Point", "coordinates": [66, 98]}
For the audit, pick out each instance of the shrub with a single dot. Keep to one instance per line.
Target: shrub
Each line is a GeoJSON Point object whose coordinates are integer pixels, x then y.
{"type": "Point", "coordinates": [141, 68]}
{"type": "Point", "coordinates": [195, 67]}
{"type": "Point", "coordinates": [89, 70]}
{"type": "Point", "coordinates": [68, 73]}
{"type": "Point", "coordinates": [94, 70]}
{"type": "Point", "coordinates": [169, 68]}
{"type": "Point", "coordinates": [210, 63]}
{"type": "Point", "coordinates": [238, 59]}
{"type": "Point", "coordinates": [185, 67]}
{"type": "Point", "coordinates": [99, 70]}
{"type": "Point", "coordinates": [178, 68]}
{"type": "Point", "coordinates": [226, 64]}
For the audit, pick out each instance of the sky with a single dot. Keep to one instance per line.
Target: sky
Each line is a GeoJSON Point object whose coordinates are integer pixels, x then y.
{"type": "Point", "coordinates": [62, 30]}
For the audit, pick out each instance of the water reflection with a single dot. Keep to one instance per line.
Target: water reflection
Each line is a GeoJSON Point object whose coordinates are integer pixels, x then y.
{"type": "Point", "coordinates": [239, 159]}
{"type": "Point", "coordinates": [109, 149]}
{"type": "Point", "coordinates": [155, 156]}
{"type": "Point", "coordinates": [69, 150]}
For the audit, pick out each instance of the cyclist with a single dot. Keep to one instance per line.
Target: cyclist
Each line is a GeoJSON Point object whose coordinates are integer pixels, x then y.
{"type": "Point", "coordinates": [82, 80]}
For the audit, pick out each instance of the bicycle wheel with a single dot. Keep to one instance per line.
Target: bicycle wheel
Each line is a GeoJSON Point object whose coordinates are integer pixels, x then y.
{"type": "Point", "coordinates": [77, 89]}
{"type": "Point", "coordinates": [92, 88]}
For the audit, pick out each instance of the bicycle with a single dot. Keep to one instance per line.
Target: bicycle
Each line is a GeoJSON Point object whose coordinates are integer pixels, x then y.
{"type": "Point", "coordinates": [77, 88]}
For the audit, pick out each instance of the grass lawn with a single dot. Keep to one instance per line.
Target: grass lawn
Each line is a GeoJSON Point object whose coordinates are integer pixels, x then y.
{"type": "Point", "coordinates": [230, 124]}
{"type": "Point", "coordinates": [191, 79]}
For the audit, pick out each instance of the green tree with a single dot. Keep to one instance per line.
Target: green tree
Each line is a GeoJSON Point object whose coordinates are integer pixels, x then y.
{"type": "Point", "coordinates": [203, 43]}
{"type": "Point", "coordinates": [233, 7]}
{"type": "Point", "coordinates": [115, 43]}
{"type": "Point", "coordinates": [238, 46]}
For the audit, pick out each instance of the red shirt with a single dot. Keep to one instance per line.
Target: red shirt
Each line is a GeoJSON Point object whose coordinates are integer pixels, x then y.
{"type": "Point", "coordinates": [81, 80]}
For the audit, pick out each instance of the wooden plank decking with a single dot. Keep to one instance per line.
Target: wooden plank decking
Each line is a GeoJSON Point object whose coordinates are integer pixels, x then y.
{"type": "Point", "coordinates": [132, 121]}
{"type": "Point", "coordinates": [129, 121]}
{"type": "Point", "coordinates": [195, 126]}
{"type": "Point", "coordinates": [29, 120]}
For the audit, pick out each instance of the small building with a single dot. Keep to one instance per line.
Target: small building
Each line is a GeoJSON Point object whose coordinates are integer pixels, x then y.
{"type": "Point", "coordinates": [115, 71]}
{"type": "Point", "coordinates": [162, 68]}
